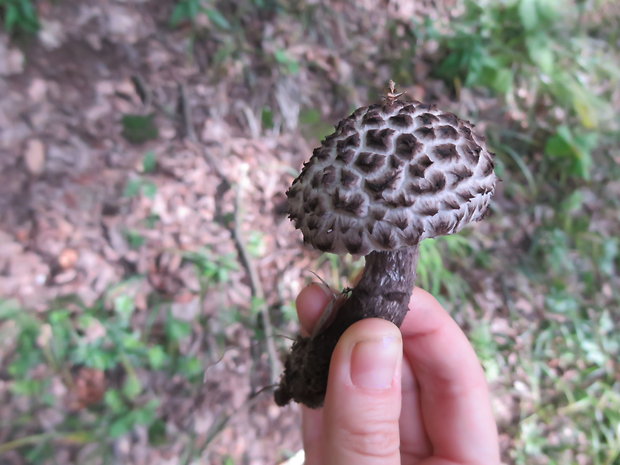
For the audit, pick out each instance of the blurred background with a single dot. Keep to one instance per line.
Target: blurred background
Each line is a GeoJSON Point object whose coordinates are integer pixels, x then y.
{"type": "Point", "coordinates": [147, 268]}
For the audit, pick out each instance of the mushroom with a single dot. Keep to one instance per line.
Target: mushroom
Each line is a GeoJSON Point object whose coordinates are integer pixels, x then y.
{"type": "Point", "coordinates": [391, 175]}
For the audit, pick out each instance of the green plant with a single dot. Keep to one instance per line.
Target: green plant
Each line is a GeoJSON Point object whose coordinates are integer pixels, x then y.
{"type": "Point", "coordinates": [140, 186]}
{"type": "Point", "coordinates": [212, 268]}
{"type": "Point", "coordinates": [139, 129]}
{"type": "Point", "coordinates": [534, 54]}
{"type": "Point", "coordinates": [149, 162]}
{"type": "Point", "coordinates": [433, 274]}
{"type": "Point", "coordinates": [188, 10]}
{"type": "Point", "coordinates": [102, 344]}
{"type": "Point", "coordinates": [288, 63]}
{"type": "Point", "coordinates": [19, 16]}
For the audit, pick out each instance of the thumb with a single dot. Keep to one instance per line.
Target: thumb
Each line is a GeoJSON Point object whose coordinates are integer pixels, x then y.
{"type": "Point", "coordinates": [363, 399]}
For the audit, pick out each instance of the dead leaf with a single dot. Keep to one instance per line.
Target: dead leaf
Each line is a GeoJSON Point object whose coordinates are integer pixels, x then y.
{"type": "Point", "coordinates": [34, 157]}
{"type": "Point", "coordinates": [68, 258]}
{"type": "Point", "coordinates": [89, 386]}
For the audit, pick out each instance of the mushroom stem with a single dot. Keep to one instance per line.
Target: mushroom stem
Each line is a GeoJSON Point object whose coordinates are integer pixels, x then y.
{"type": "Point", "coordinates": [383, 292]}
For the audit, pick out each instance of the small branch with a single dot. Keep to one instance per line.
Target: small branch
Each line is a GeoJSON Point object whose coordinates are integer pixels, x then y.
{"type": "Point", "coordinates": [147, 99]}
{"type": "Point", "coordinates": [218, 426]}
{"type": "Point", "coordinates": [245, 258]}
{"type": "Point", "coordinates": [184, 112]}
{"type": "Point", "coordinates": [255, 283]}
{"type": "Point", "coordinates": [77, 437]}
{"type": "Point", "coordinates": [142, 90]}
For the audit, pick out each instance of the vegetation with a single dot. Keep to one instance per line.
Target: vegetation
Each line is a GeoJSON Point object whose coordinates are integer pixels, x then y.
{"type": "Point", "coordinates": [19, 16]}
{"type": "Point", "coordinates": [546, 267]}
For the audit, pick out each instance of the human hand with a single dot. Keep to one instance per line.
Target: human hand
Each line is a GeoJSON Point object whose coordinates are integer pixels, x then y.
{"type": "Point", "coordinates": [414, 396]}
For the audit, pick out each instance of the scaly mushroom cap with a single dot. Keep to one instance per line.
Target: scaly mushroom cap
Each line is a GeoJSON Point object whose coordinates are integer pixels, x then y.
{"type": "Point", "coordinates": [391, 175]}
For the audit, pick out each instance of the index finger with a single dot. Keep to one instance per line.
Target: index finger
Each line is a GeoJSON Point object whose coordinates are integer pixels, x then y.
{"type": "Point", "coordinates": [454, 396]}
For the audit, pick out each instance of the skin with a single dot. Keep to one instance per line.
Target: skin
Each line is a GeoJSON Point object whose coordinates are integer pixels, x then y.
{"type": "Point", "coordinates": [434, 408]}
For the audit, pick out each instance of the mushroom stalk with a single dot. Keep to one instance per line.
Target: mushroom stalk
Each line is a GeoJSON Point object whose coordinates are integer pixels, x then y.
{"type": "Point", "coordinates": [383, 292]}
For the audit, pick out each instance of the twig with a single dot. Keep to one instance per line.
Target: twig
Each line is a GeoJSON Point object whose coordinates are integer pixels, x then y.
{"type": "Point", "coordinates": [142, 90]}
{"type": "Point", "coordinates": [147, 99]}
{"type": "Point", "coordinates": [218, 426]}
{"type": "Point", "coordinates": [255, 283]}
{"type": "Point", "coordinates": [184, 112]}
{"type": "Point", "coordinates": [77, 437]}
{"type": "Point", "coordinates": [245, 258]}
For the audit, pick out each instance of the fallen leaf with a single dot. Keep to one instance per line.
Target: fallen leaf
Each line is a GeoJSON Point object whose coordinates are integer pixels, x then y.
{"type": "Point", "coordinates": [89, 387]}
{"type": "Point", "coordinates": [68, 258]}
{"type": "Point", "coordinates": [34, 157]}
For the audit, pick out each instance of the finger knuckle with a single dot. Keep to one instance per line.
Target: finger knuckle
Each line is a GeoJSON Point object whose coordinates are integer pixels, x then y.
{"type": "Point", "coordinates": [377, 439]}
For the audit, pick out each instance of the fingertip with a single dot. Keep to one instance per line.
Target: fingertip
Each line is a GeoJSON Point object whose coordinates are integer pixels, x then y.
{"type": "Point", "coordinates": [422, 298]}
{"type": "Point", "coordinates": [347, 364]}
{"type": "Point", "coordinates": [369, 328]}
{"type": "Point", "coordinates": [310, 304]}
{"type": "Point", "coordinates": [363, 399]}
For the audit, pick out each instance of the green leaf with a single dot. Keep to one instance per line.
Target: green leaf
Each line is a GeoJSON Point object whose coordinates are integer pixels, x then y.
{"type": "Point", "coordinates": [29, 357]}
{"type": "Point", "coordinates": [539, 52]}
{"type": "Point", "coordinates": [132, 188]}
{"type": "Point", "coordinates": [528, 14]}
{"type": "Point", "coordinates": [256, 305]}
{"type": "Point", "coordinates": [583, 103]}
{"type": "Point", "coordinates": [310, 116]}
{"type": "Point", "coordinates": [191, 367]}
{"type": "Point", "coordinates": [146, 414]}
{"type": "Point", "coordinates": [157, 432]}
{"type": "Point", "coordinates": [59, 317]}
{"type": "Point", "coordinates": [177, 329]}
{"type": "Point", "coordinates": [151, 220]}
{"type": "Point", "coordinates": [217, 18]}
{"type": "Point", "coordinates": [138, 129]}
{"type": "Point", "coordinates": [11, 18]}
{"type": "Point", "coordinates": [124, 307]}
{"type": "Point", "coordinates": [256, 244]}
{"type": "Point", "coordinates": [157, 357]}
{"type": "Point", "coordinates": [122, 425]}
{"type": "Point", "coordinates": [60, 343]}
{"type": "Point", "coordinates": [502, 83]}
{"type": "Point", "coordinates": [267, 118]}
{"type": "Point", "coordinates": [312, 123]}
{"type": "Point", "coordinates": [559, 145]}
{"type": "Point", "coordinates": [9, 309]}
{"type": "Point", "coordinates": [114, 400]}
{"type": "Point", "coordinates": [576, 148]}
{"type": "Point", "coordinates": [611, 251]}
{"type": "Point", "coordinates": [135, 239]}
{"type": "Point", "coordinates": [130, 342]}
{"type": "Point", "coordinates": [548, 10]}
{"type": "Point", "coordinates": [179, 14]}
{"type": "Point", "coordinates": [193, 8]}
{"type": "Point", "coordinates": [94, 357]}
{"type": "Point", "coordinates": [137, 186]}
{"type": "Point", "coordinates": [149, 189]}
{"type": "Point", "coordinates": [149, 163]}
{"type": "Point", "coordinates": [290, 64]}
{"type": "Point", "coordinates": [573, 203]}
{"type": "Point", "coordinates": [449, 68]}
{"type": "Point", "coordinates": [27, 387]}
{"type": "Point", "coordinates": [132, 387]}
